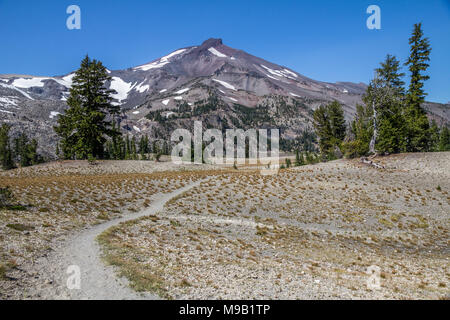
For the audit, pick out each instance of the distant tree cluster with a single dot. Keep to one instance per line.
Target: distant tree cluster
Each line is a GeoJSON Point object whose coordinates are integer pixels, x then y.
{"type": "Point", "coordinates": [18, 151]}
{"type": "Point", "coordinates": [392, 119]}
{"type": "Point", "coordinates": [305, 141]}
{"type": "Point", "coordinates": [124, 148]}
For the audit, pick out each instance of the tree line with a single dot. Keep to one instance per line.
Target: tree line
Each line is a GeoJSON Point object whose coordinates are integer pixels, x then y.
{"type": "Point", "coordinates": [20, 151]}
{"type": "Point", "coordinates": [392, 118]}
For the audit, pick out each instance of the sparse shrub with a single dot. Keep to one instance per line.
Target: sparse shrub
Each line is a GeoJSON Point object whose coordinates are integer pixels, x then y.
{"type": "Point", "coordinates": [185, 283]}
{"type": "Point", "coordinates": [288, 163]}
{"type": "Point", "coordinates": [19, 227]}
{"type": "Point", "coordinates": [91, 160]}
{"type": "Point", "coordinates": [6, 197]}
{"type": "Point", "coordinates": [2, 271]}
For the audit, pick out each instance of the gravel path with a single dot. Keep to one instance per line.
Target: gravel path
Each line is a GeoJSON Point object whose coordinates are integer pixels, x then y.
{"type": "Point", "coordinates": [97, 281]}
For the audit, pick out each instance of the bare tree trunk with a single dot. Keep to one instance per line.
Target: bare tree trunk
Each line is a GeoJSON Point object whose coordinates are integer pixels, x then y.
{"type": "Point", "coordinates": [375, 131]}
{"type": "Point", "coordinates": [371, 163]}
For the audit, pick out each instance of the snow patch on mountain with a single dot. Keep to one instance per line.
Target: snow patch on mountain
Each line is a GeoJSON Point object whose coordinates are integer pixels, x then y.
{"type": "Point", "coordinates": [122, 88]}
{"type": "Point", "coordinates": [225, 84]}
{"type": "Point", "coordinates": [280, 73]}
{"type": "Point", "coordinates": [53, 114]}
{"type": "Point", "coordinates": [163, 90]}
{"type": "Point", "coordinates": [8, 101]}
{"type": "Point", "coordinates": [290, 72]}
{"type": "Point", "coordinates": [142, 88]}
{"type": "Point", "coordinates": [178, 98]}
{"type": "Point", "coordinates": [66, 81]}
{"type": "Point", "coordinates": [165, 102]}
{"type": "Point", "coordinates": [159, 63]}
{"type": "Point", "coordinates": [294, 95]}
{"type": "Point", "coordinates": [217, 53]}
{"type": "Point", "coordinates": [182, 91]}
{"type": "Point", "coordinates": [28, 83]}
{"type": "Point", "coordinates": [17, 89]}
{"type": "Point", "coordinates": [137, 129]}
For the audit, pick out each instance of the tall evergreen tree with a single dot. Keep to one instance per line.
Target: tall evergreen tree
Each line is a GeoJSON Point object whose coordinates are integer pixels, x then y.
{"type": "Point", "coordinates": [386, 97]}
{"type": "Point", "coordinates": [444, 139]}
{"type": "Point", "coordinates": [330, 126]}
{"type": "Point", "coordinates": [86, 123]}
{"type": "Point", "coordinates": [416, 119]}
{"type": "Point", "coordinates": [323, 129]}
{"type": "Point", "coordinates": [337, 122]}
{"type": "Point", "coordinates": [22, 150]}
{"type": "Point", "coordinates": [133, 148]}
{"type": "Point", "coordinates": [434, 137]}
{"type": "Point", "coordinates": [127, 148]}
{"type": "Point", "coordinates": [389, 72]}
{"type": "Point", "coordinates": [6, 152]}
{"type": "Point", "coordinates": [362, 132]}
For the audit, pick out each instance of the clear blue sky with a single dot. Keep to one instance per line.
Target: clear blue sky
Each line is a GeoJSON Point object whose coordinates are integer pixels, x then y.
{"type": "Point", "coordinates": [324, 40]}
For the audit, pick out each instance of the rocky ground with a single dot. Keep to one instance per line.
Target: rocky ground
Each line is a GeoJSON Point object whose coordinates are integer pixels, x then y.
{"type": "Point", "coordinates": [63, 198]}
{"type": "Point", "coordinates": [327, 231]}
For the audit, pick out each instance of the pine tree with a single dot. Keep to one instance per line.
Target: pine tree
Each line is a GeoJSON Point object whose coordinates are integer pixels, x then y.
{"type": "Point", "coordinates": [362, 132]}
{"type": "Point", "coordinates": [23, 151]}
{"type": "Point", "coordinates": [323, 129]}
{"type": "Point", "coordinates": [388, 101]}
{"type": "Point", "coordinates": [86, 122]}
{"type": "Point", "coordinates": [383, 105]}
{"type": "Point", "coordinates": [416, 119]}
{"type": "Point", "coordinates": [299, 160]}
{"type": "Point", "coordinates": [288, 163]}
{"type": "Point", "coordinates": [127, 148]}
{"type": "Point", "coordinates": [330, 126]}
{"type": "Point", "coordinates": [33, 155]}
{"type": "Point", "coordinates": [133, 148]}
{"type": "Point", "coordinates": [337, 122]}
{"type": "Point", "coordinates": [444, 139]}
{"type": "Point", "coordinates": [389, 72]}
{"type": "Point", "coordinates": [434, 137]}
{"type": "Point", "coordinates": [6, 154]}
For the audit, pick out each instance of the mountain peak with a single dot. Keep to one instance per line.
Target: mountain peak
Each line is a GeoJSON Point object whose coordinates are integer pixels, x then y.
{"type": "Point", "coordinates": [211, 42]}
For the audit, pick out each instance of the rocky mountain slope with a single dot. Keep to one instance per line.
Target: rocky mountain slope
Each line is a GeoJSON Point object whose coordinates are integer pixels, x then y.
{"type": "Point", "coordinates": [214, 83]}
